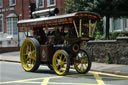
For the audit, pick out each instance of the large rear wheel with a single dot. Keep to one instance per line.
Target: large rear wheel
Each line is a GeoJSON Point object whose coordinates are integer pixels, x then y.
{"type": "Point", "coordinates": [30, 55]}
{"type": "Point", "coordinates": [61, 62]}
{"type": "Point", "coordinates": [82, 62]}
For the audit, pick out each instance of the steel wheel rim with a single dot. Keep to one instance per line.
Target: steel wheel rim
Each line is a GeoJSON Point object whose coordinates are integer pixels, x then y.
{"type": "Point", "coordinates": [60, 63]}
{"type": "Point", "coordinates": [28, 55]}
{"type": "Point", "coordinates": [81, 61]}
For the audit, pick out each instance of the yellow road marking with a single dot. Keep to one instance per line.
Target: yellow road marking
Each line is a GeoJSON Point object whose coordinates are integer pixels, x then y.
{"type": "Point", "coordinates": [91, 76]}
{"type": "Point", "coordinates": [61, 83]}
{"type": "Point", "coordinates": [45, 81]}
{"type": "Point", "coordinates": [31, 82]}
{"type": "Point", "coordinates": [17, 81]}
{"type": "Point", "coordinates": [99, 79]}
{"type": "Point", "coordinates": [107, 74]}
{"type": "Point", "coordinates": [70, 83]}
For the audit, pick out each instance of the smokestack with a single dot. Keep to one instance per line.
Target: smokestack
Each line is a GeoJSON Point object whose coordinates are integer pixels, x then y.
{"type": "Point", "coordinates": [46, 12]}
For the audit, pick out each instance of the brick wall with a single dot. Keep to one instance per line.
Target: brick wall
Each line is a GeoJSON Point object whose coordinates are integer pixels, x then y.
{"type": "Point", "coordinates": [109, 51]}
{"type": "Point", "coordinates": [59, 4]}
{"type": "Point", "coordinates": [8, 49]}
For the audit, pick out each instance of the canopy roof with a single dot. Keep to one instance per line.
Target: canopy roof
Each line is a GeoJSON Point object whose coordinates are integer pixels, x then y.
{"type": "Point", "coordinates": [58, 20]}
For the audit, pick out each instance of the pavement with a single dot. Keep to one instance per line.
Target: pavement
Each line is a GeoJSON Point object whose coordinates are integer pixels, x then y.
{"type": "Point", "coordinates": [100, 67]}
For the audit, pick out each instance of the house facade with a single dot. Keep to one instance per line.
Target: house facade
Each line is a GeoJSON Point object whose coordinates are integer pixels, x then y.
{"type": "Point", "coordinates": [11, 11]}
{"type": "Point", "coordinates": [119, 25]}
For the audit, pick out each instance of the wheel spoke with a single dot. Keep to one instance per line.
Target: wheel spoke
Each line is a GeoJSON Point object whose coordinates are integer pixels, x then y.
{"type": "Point", "coordinates": [79, 65]}
{"type": "Point", "coordinates": [30, 47]}
{"type": "Point", "coordinates": [60, 56]}
{"type": "Point", "coordinates": [32, 63]}
{"type": "Point", "coordinates": [24, 54]}
{"type": "Point", "coordinates": [33, 54]}
{"type": "Point", "coordinates": [62, 69]}
{"type": "Point", "coordinates": [58, 61]}
{"type": "Point", "coordinates": [27, 58]}
{"type": "Point", "coordinates": [86, 65]}
{"type": "Point", "coordinates": [27, 48]}
{"type": "Point", "coordinates": [82, 67]}
{"type": "Point", "coordinates": [65, 62]}
{"type": "Point", "coordinates": [64, 59]}
{"type": "Point", "coordinates": [58, 66]}
{"type": "Point", "coordinates": [28, 62]}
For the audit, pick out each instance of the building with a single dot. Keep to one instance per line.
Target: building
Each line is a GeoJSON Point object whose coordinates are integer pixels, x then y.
{"type": "Point", "coordinates": [119, 25]}
{"type": "Point", "coordinates": [13, 10]}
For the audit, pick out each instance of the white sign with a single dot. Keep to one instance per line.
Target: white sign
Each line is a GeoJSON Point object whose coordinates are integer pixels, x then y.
{"type": "Point", "coordinates": [6, 9]}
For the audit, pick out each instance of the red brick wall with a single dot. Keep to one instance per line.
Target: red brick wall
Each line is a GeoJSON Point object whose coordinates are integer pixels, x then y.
{"type": "Point", "coordinates": [8, 49]}
{"type": "Point", "coordinates": [59, 4]}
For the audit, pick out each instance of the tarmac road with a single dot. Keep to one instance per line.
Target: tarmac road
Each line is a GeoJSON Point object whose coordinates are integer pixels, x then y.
{"type": "Point", "coordinates": [13, 74]}
{"type": "Point", "coordinates": [101, 67]}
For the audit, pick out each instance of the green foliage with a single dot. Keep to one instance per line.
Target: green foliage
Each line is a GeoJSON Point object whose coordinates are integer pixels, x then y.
{"type": "Point", "coordinates": [112, 8]}
{"type": "Point", "coordinates": [114, 35]}
{"type": "Point", "coordinates": [108, 61]}
{"type": "Point", "coordinates": [76, 5]}
{"type": "Point", "coordinates": [99, 36]}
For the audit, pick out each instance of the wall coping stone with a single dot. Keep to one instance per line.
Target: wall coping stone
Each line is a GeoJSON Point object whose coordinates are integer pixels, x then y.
{"type": "Point", "coordinates": [102, 41]}
{"type": "Point", "coordinates": [122, 38]}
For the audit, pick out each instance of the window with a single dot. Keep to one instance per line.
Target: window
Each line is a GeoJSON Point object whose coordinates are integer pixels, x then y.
{"type": "Point", "coordinates": [12, 26]}
{"type": "Point", "coordinates": [12, 2]}
{"type": "Point", "coordinates": [1, 23]}
{"type": "Point", "coordinates": [51, 3]}
{"type": "Point", "coordinates": [1, 3]}
{"type": "Point", "coordinates": [40, 3]}
{"type": "Point", "coordinates": [125, 24]}
{"type": "Point", "coordinates": [117, 24]}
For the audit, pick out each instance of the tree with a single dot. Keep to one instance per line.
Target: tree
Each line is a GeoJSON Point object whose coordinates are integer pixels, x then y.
{"type": "Point", "coordinates": [107, 8]}
{"type": "Point", "coordinates": [76, 5]}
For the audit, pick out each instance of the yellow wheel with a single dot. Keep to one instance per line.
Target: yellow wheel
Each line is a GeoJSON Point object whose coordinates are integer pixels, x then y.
{"type": "Point", "coordinates": [82, 62]}
{"type": "Point", "coordinates": [30, 55]}
{"type": "Point", "coordinates": [61, 62]}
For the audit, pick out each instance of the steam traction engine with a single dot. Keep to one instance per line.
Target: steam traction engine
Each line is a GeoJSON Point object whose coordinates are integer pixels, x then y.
{"type": "Point", "coordinates": [57, 41]}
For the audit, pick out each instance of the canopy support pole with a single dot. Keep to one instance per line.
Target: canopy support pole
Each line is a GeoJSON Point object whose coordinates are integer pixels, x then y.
{"type": "Point", "coordinates": [76, 28]}
{"type": "Point", "coordinates": [90, 29]}
{"type": "Point", "coordinates": [80, 34]}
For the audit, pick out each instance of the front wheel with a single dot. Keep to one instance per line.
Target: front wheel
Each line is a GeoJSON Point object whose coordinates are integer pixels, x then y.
{"type": "Point", "coordinates": [61, 62]}
{"type": "Point", "coordinates": [82, 62]}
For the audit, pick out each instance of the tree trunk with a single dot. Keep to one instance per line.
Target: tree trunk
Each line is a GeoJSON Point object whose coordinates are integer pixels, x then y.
{"type": "Point", "coordinates": [107, 27]}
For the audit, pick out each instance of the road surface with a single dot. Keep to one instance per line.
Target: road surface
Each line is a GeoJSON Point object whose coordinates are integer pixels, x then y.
{"type": "Point", "coordinates": [13, 74]}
